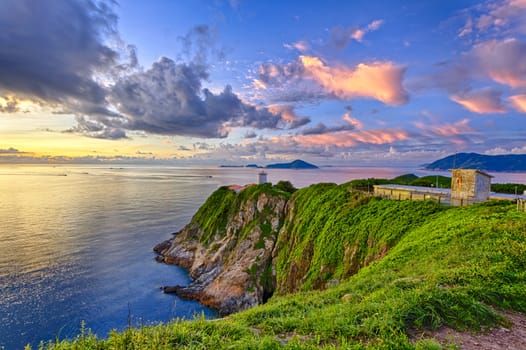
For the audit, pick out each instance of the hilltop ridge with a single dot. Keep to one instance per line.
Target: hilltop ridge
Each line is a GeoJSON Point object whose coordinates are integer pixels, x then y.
{"type": "Point", "coordinates": [504, 162]}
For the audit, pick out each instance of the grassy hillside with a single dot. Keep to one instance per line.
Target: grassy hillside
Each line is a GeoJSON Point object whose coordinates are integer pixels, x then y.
{"type": "Point", "coordinates": [331, 233]}
{"type": "Point", "coordinates": [223, 203]}
{"type": "Point", "coordinates": [420, 266]}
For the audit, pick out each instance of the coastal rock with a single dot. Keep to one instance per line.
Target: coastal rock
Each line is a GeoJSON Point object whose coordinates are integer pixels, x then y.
{"type": "Point", "coordinates": [230, 264]}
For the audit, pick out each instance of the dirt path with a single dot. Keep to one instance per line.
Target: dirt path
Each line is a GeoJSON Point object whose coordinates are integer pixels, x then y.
{"type": "Point", "coordinates": [498, 338]}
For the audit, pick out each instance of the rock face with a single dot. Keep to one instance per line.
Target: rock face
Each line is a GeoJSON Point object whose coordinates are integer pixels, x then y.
{"type": "Point", "coordinates": [227, 248]}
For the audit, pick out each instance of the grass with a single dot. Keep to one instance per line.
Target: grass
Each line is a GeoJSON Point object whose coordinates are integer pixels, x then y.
{"type": "Point", "coordinates": [427, 266]}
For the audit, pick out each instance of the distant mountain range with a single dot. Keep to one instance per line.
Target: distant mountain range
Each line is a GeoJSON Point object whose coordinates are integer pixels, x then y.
{"type": "Point", "coordinates": [505, 162]}
{"type": "Point", "coordinates": [297, 164]}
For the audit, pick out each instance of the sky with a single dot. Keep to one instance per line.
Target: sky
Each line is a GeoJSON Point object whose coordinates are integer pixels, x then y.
{"type": "Point", "coordinates": [239, 81]}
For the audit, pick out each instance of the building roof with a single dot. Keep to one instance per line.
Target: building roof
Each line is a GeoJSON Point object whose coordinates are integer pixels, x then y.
{"type": "Point", "coordinates": [476, 171]}
{"type": "Point", "coordinates": [420, 189]}
{"type": "Point", "coordinates": [446, 191]}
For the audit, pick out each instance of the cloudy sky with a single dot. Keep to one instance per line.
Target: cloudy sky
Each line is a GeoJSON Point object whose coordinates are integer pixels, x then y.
{"type": "Point", "coordinates": [238, 81]}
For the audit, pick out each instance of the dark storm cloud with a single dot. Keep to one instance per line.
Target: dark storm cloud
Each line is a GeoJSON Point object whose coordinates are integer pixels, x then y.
{"type": "Point", "coordinates": [111, 134]}
{"type": "Point", "coordinates": [200, 43]}
{"type": "Point", "coordinates": [10, 105]}
{"type": "Point", "coordinates": [321, 128]}
{"type": "Point", "coordinates": [54, 52]}
{"type": "Point", "coordinates": [299, 122]}
{"type": "Point", "coordinates": [275, 74]}
{"type": "Point", "coordinates": [168, 99]}
{"type": "Point", "coordinates": [50, 49]}
{"type": "Point", "coordinates": [251, 135]}
{"type": "Point", "coordinates": [288, 83]}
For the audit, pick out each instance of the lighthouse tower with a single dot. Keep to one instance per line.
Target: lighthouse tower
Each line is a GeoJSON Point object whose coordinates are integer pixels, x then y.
{"type": "Point", "coordinates": [262, 177]}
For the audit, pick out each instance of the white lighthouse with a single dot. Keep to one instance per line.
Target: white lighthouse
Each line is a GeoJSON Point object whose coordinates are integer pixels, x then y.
{"type": "Point", "coordinates": [262, 177]}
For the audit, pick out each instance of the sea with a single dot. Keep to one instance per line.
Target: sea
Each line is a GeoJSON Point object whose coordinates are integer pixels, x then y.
{"type": "Point", "coordinates": [76, 241]}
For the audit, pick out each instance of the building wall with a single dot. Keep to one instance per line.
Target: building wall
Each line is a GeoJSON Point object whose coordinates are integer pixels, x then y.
{"type": "Point", "coordinates": [469, 186]}
{"type": "Point", "coordinates": [482, 188]}
{"type": "Point", "coordinates": [404, 194]}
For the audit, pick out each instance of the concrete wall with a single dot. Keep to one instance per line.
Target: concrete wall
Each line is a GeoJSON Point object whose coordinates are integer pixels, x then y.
{"type": "Point", "coordinates": [482, 187]}
{"type": "Point", "coordinates": [469, 186]}
{"type": "Point", "coordinates": [408, 193]}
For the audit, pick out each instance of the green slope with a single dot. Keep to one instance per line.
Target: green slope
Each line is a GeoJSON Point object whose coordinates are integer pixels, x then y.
{"type": "Point", "coordinates": [420, 266]}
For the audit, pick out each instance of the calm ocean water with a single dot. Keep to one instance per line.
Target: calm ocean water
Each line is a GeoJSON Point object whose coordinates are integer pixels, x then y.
{"type": "Point", "coordinates": [76, 242]}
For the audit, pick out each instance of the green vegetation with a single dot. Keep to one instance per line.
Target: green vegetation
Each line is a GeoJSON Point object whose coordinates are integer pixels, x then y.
{"type": "Point", "coordinates": [428, 181]}
{"type": "Point", "coordinates": [432, 180]}
{"type": "Point", "coordinates": [212, 216]}
{"type": "Point", "coordinates": [508, 188]}
{"type": "Point", "coordinates": [366, 270]}
{"type": "Point", "coordinates": [407, 179]}
{"type": "Point", "coordinates": [285, 186]}
{"type": "Point", "coordinates": [334, 232]}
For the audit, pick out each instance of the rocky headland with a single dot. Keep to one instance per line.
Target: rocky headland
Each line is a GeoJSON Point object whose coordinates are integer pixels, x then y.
{"type": "Point", "coordinates": [227, 248]}
{"type": "Point", "coordinates": [241, 248]}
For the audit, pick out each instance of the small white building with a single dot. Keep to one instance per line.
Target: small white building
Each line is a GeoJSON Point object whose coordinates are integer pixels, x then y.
{"type": "Point", "coordinates": [262, 177]}
{"type": "Point", "coordinates": [469, 186]}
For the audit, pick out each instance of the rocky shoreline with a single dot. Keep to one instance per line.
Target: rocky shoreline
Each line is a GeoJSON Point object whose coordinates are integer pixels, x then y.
{"type": "Point", "coordinates": [232, 270]}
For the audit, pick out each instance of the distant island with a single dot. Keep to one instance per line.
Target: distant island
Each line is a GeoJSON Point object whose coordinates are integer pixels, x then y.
{"type": "Point", "coordinates": [505, 162]}
{"type": "Point", "coordinates": [296, 164]}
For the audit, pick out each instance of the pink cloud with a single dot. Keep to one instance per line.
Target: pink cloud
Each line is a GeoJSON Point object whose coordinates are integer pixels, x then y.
{"type": "Point", "coordinates": [518, 102]}
{"type": "Point", "coordinates": [480, 101]}
{"type": "Point", "coordinates": [499, 16]}
{"type": "Point", "coordinates": [503, 61]}
{"type": "Point", "coordinates": [259, 85]}
{"type": "Point", "coordinates": [301, 46]}
{"type": "Point", "coordinates": [375, 25]}
{"type": "Point", "coordinates": [379, 80]}
{"type": "Point", "coordinates": [461, 127]}
{"type": "Point", "coordinates": [353, 121]}
{"type": "Point", "coordinates": [359, 33]}
{"type": "Point", "coordinates": [352, 138]}
{"type": "Point", "coordinates": [467, 29]}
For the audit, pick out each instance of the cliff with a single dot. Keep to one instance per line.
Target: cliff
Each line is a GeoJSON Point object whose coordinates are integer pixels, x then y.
{"type": "Point", "coordinates": [227, 248]}
{"type": "Point", "coordinates": [242, 248]}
